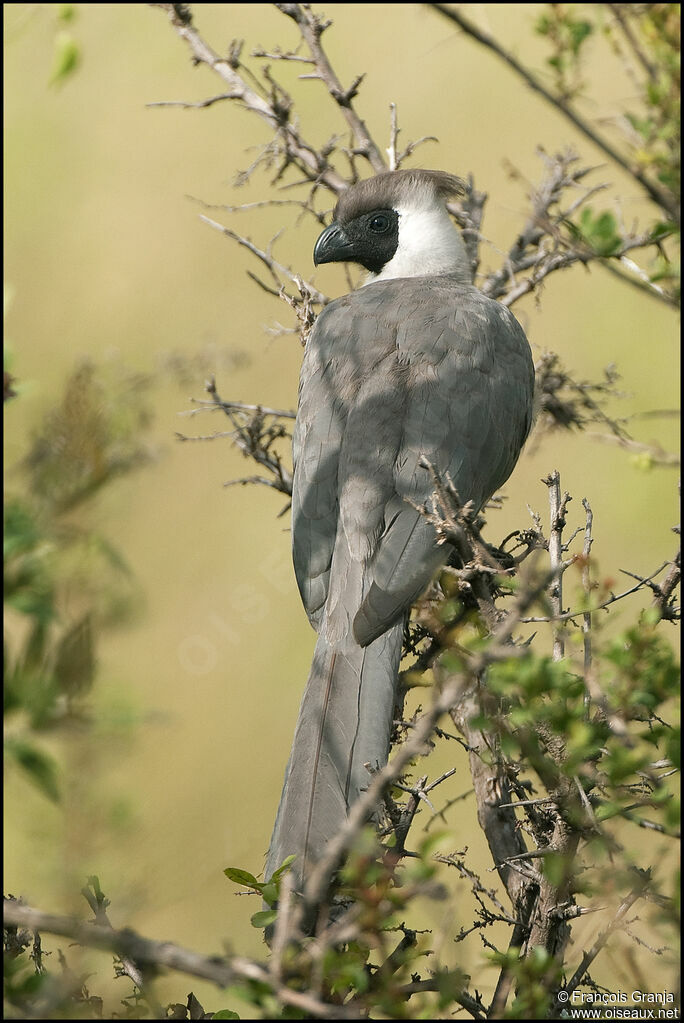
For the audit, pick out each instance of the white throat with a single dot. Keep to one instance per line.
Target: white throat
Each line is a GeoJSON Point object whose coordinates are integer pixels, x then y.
{"type": "Point", "coordinates": [429, 245]}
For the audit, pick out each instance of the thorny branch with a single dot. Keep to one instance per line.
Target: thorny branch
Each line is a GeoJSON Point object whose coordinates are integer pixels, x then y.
{"type": "Point", "coordinates": [276, 270]}
{"type": "Point", "coordinates": [550, 240]}
{"type": "Point", "coordinates": [547, 243]}
{"type": "Point", "coordinates": [312, 28]}
{"type": "Point", "coordinates": [265, 100]}
{"type": "Point", "coordinates": [617, 921]}
{"type": "Point", "coordinates": [541, 906]}
{"type": "Point", "coordinates": [659, 195]}
{"type": "Point", "coordinates": [566, 403]}
{"type": "Point", "coordinates": [558, 507]}
{"type": "Point", "coordinates": [256, 431]}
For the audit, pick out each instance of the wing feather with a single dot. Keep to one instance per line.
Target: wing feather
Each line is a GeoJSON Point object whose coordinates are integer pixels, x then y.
{"type": "Point", "coordinates": [396, 373]}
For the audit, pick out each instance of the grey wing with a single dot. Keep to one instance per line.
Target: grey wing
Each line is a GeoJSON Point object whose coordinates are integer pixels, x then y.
{"type": "Point", "coordinates": [316, 448]}
{"type": "Point", "coordinates": [468, 412]}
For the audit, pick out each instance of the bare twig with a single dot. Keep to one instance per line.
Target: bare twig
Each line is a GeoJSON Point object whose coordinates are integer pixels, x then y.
{"type": "Point", "coordinates": [586, 585]}
{"type": "Point", "coordinates": [623, 22]}
{"type": "Point", "coordinates": [246, 207]}
{"type": "Point", "coordinates": [238, 406]}
{"type": "Point", "coordinates": [312, 28]}
{"type": "Point", "coordinates": [557, 507]}
{"type": "Point", "coordinates": [652, 453]}
{"type": "Point", "coordinates": [614, 597]}
{"type": "Point", "coordinates": [657, 194]}
{"type": "Point", "coordinates": [295, 149]}
{"type": "Point", "coordinates": [617, 922]}
{"type": "Point", "coordinates": [254, 436]}
{"type": "Point", "coordinates": [276, 269]}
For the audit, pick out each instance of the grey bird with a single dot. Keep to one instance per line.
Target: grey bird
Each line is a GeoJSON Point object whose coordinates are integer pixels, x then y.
{"type": "Point", "coordinates": [415, 365]}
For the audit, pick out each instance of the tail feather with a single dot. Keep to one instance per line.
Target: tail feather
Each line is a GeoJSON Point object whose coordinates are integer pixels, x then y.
{"type": "Point", "coordinates": [344, 728]}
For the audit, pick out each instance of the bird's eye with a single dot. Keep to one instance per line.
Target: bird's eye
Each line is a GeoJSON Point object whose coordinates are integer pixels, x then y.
{"type": "Point", "coordinates": [380, 223]}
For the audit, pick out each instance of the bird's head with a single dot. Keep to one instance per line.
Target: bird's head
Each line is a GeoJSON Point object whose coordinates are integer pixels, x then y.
{"type": "Point", "coordinates": [397, 225]}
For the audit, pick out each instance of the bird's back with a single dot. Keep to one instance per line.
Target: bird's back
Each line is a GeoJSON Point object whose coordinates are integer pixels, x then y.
{"type": "Point", "coordinates": [399, 372]}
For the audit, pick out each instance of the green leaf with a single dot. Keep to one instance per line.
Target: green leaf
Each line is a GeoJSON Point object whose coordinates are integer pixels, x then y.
{"type": "Point", "coordinates": [663, 229]}
{"type": "Point", "coordinates": [67, 57]}
{"type": "Point", "coordinates": [40, 767]}
{"type": "Point", "coordinates": [599, 231]}
{"type": "Point", "coordinates": [225, 1014]}
{"type": "Point", "coordinates": [542, 25]}
{"type": "Point", "coordinates": [243, 877]}
{"type": "Point", "coordinates": [284, 866]}
{"type": "Point", "coordinates": [264, 918]}
{"type": "Point", "coordinates": [450, 984]}
{"type": "Point", "coordinates": [579, 31]}
{"type": "Point", "coordinates": [269, 893]}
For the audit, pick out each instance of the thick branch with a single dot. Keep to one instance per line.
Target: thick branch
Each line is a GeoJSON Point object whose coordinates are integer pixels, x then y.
{"type": "Point", "coordinates": [126, 943]}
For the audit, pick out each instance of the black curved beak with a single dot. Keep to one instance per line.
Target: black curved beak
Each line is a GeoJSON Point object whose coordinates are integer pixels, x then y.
{"type": "Point", "coordinates": [333, 246]}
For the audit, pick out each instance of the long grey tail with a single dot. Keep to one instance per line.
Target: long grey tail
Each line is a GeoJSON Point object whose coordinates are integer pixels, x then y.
{"type": "Point", "coordinates": [344, 724]}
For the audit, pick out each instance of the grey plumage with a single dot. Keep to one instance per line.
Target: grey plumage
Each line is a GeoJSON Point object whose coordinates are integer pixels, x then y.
{"type": "Point", "coordinates": [404, 369]}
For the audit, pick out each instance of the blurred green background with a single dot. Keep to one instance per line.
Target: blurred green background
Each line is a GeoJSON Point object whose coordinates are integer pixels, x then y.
{"type": "Point", "coordinates": [179, 773]}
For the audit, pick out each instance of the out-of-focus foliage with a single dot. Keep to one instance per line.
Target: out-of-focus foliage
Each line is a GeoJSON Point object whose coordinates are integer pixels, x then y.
{"type": "Point", "coordinates": [40, 984]}
{"type": "Point", "coordinates": [67, 54]}
{"type": "Point", "coordinates": [62, 579]}
{"type": "Point", "coordinates": [94, 434]}
{"type": "Point", "coordinates": [657, 143]}
{"type": "Point", "coordinates": [647, 40]}
{"type": "Point", "coordinates": [566, 32]}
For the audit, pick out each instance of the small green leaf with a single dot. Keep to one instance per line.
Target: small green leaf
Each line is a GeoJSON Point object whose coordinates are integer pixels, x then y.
{"type": "Point", "coordinates": [264, 918]}
{"type": "Point", "coordinates": [450, 984]}
{"type": "Point", "coordinates": [67, 57]}
{"type": "Point", "coordinates": [599, 231]}
{"type": "Point", "coordinates": [662, 229]}
{"type": "Point", "coordinates": [225, 1014]}
{"type": "Point", "coordinates": [40, 767]}
{"type": "Point", "coordinates": [542, 25]}
{"type": "Point", "coordinates": [284, 866]}
{"type": "Point", "coordinates": [243, 877]}
{"type": "Point", "coordinates": [579, 31]}
{"type": "Point", "coordinates": [269, 893]}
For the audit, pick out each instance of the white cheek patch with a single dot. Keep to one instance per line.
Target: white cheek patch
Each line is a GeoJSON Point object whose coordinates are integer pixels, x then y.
{"type": "Point", "coordinates": [428, 244]}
